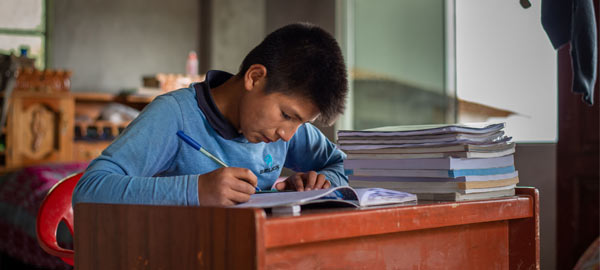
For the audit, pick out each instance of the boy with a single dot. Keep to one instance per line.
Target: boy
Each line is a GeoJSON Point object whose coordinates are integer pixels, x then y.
{"type": "Point", "coordinates": [256, 121]}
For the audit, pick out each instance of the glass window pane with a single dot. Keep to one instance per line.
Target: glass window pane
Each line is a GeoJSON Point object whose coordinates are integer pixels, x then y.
{"type": "Point", "coordinates": [22, 14]}
{"type": "Point", "coordinates": [13, 43]}
{"type": "Point", "coordinates": [399, 66]}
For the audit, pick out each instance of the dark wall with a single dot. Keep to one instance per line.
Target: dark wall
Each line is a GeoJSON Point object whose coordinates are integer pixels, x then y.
{"type": "Point", "coordinates": [319, 12]}
{"type": "Point", "coordinates": [536, 163]}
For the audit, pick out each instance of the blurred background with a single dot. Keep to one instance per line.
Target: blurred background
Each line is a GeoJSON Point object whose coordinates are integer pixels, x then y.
{"type": "Point", "coordinates": [409, 62]}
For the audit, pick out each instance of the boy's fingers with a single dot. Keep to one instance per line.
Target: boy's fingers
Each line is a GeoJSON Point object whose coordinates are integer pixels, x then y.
{"type": "Point", "coordinates": [244, 174]}
{"type": "Point", "coordinates": [327, 184]}
{"type": "Point", "coordinates": [320, 181]}
{"type": "Point", "coordinates": [311, 179]}
{"type": "Point", "coordinates": [242, 186]}
{"type": "Point", "coordinates": [227, 203]}
{"type": "Point", "coordinates": [297, 182]}
{"type": "Point", "coordinates": [287, 184]}
{"type": "Point", "coordinates": [281, 185]}
{"type": "Point", "coordinates": [238, 197]}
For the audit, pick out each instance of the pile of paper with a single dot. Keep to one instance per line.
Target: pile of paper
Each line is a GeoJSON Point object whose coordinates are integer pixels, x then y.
{"type": "Point", "coordinates": [436, 162]}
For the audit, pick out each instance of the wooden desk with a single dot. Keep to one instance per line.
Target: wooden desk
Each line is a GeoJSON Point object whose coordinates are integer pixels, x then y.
{"type": "Point", "coordinates": [488, 234]}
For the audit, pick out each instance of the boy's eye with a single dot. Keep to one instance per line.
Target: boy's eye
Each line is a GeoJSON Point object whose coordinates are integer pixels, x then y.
{"type": "Point", "coordinates": [285, 116]}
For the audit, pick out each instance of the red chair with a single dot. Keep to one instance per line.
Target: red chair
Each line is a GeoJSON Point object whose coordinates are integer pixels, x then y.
{"type": "Point", "coordinates": [55, 208]}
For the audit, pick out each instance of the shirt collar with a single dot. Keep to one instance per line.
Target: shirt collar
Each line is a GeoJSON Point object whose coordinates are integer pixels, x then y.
{"type": "Point", "coordinates": [206, 103]}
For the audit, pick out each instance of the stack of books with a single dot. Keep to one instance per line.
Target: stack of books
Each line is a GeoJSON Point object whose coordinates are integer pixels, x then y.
{"type": "Point", "coordinates": [436, 162]}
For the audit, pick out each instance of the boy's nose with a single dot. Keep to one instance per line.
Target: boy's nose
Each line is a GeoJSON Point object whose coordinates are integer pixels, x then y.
{"type": "Point", "coordinates": [286, 134]}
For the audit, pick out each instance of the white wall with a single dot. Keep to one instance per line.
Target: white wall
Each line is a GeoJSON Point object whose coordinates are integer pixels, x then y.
{"type": "Point", "coordinates": [505, 60]}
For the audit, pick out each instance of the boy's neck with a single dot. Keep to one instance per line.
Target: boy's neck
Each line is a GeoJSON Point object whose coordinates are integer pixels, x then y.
{"type": "Point", "coordinates": [227, 98]}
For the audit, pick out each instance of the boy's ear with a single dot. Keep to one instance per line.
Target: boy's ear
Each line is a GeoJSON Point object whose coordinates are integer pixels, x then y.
{"type": "Point", "coordinates": [255, 75]}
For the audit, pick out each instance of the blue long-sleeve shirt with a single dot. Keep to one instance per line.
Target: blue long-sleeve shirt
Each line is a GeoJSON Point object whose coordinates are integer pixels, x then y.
{"type": "Point", "coordinates": [149, 164]}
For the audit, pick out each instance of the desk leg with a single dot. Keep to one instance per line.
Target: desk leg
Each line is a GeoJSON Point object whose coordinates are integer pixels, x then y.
{"type": "Point", "coordinates": [524, 235]}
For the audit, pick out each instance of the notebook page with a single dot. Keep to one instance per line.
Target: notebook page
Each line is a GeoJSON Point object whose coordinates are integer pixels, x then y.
{"type": "Point", "coordinates": [267, 200]}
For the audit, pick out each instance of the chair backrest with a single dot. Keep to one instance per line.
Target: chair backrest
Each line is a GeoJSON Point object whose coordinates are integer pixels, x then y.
{"type": "Point", "coordinates": [55, 208]}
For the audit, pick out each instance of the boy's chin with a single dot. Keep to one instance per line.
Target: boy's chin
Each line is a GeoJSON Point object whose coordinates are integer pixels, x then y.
{"type": "Point", "coordinates": [259, 139]}
{"type": "Point", "coordinates": [254, 139]}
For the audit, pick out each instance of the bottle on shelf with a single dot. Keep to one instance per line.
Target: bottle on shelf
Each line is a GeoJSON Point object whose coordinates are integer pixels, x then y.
{"type": "Point", "coordinates": [191, 66]}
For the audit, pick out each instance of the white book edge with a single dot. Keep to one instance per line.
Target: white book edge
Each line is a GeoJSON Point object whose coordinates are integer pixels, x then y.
{"type": "Point", "coordinates": [453, 196]}
{"type": "Point", "coordinates": [423, 138]}
{"type": "Point", "coordinates": [463, 154]}
{"type": "Point", "coordinates": [412, 130]}
{"type": "Point", "coordinates": [430, 163]}
{"type": "Point", "coordinates": [416, 140]}
{"type": "Point", "coordinates": [417, 190]}
{"type": "Point", "coordinates": [468, 178]}
{"type": "Point", "coordinates": [437, 185]}
{"type": "Point", "coordinates": [460, 144]}
{"type": "Point", "coordinates": [430, 173]}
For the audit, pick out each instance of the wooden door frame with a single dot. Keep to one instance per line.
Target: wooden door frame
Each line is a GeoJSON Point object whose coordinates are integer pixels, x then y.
{"type": "Point", "coordinates": [577, 167]}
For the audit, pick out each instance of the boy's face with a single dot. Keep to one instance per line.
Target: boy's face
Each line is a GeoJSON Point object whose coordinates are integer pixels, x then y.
{"type": "Point", "coordinates": [270, 117]}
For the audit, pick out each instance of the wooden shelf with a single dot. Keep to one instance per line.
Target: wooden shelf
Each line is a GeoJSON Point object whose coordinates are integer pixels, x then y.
{"type": "Point", "coordinates": [107, 97]}
{"type": "Point", "coordinates": [37, 94]}
{"type": "Point", "coordinates": [100, 125]}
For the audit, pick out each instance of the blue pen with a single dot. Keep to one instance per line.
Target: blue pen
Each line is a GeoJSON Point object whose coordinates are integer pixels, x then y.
{"type": "Point", "coordinates": [198, 147]}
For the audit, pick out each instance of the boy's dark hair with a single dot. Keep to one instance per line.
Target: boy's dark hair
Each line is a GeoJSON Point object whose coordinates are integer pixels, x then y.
{"type": "Point", "coordinates": [303, 59]}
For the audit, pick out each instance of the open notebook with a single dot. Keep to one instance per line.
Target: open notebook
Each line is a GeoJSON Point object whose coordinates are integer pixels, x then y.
{"type": "Point", "coordinates": [344, 195]}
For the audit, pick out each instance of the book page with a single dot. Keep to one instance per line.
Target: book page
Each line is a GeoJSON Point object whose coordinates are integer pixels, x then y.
{"type": "Point", "coordinates": [378, 196]}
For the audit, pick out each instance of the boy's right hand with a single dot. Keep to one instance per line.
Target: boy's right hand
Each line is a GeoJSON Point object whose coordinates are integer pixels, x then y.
{"type": "Point", "coordinates": [226, 186]}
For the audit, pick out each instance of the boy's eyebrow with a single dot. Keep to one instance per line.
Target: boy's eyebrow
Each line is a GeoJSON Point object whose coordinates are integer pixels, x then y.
{"type": "Point", "coordinates": [295, 114]}
{"type": "Point", "coordinates": [298, 116]}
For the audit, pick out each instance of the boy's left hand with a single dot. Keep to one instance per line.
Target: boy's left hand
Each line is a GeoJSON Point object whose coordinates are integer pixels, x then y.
{"type": "Point", "coordinates": [304, 181]}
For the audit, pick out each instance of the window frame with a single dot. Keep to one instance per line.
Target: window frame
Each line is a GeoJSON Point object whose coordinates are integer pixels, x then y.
{"type": "Point", "coordinates": [40, 31]}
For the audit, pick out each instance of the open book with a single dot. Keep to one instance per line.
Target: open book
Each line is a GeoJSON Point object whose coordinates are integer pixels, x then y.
{"type": "Point", "coordinates": [343, 195]}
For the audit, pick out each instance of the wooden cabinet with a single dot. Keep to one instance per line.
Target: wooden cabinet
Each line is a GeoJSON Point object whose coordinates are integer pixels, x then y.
{"type": "Point", "coordinates": [41, 126]}
{"type": "Point", "coordinates": [43, 116]}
